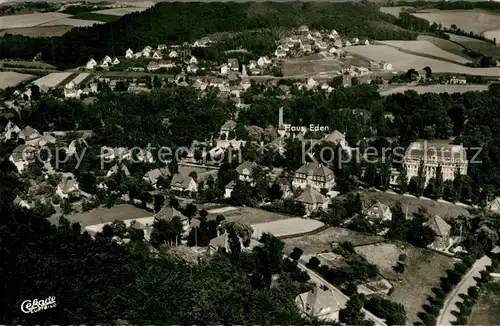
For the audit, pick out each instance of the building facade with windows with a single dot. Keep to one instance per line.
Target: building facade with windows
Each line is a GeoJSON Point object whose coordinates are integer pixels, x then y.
{"type": "Point", "coordinates": [452, 158]}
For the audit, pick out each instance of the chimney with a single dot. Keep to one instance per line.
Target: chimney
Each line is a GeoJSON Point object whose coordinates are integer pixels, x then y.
{"type": "Point", "coordinates": [280, 118]}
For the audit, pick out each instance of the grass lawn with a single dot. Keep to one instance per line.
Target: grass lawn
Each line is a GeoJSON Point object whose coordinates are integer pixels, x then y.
{"type": "Point", "coordinates": [249, 216]}
{"type": "Point", "coordinates": [97, 17]}
{"type": "Point", "coordinates": [423, 272]}
{"type": "Point", "coordinates": [487, 309]}
{"type": "Point", "coordinates": [433, 207]}
{"type": "Point", "coordinates": [322, 241]}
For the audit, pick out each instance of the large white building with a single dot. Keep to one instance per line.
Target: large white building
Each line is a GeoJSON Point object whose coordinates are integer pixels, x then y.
{"type": "Point", "coordinates": [450, 157]}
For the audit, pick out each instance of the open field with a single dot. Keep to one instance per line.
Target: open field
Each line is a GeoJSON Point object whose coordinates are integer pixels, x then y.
{"type": "Point", "coordinates": [104, 215]}
{"type": "Point", "coordinates": [39, 31]}
{"type": "Point", "coordinates": [26, 64]}
{"type": "Point", "coordinates": [487, 309]}
{"type": "Point", "coordinates": [476, 21]}
{"type": "Point", "coordinates": [423, 272]}
{"type": "Point", "coordinates": [11, 79]}
{"type": "Point", "coordinates": [52, 80]}
{"type": "Point", "coordinates": [450, 89]}
{"type": "Point", "coordinates": [119, 11]}
{"type": "Point", "coordinates": [30, 20]}
{"type": "Point", "coordinates": [476, 45]}
{"type": "Point", "coordinates": [96, 16]}
{"type": "Point", "coordinates": [249, 216]}
{"type": "Point", "coordinates": [403, 61]}
{"type": "Point", "coordinates": [425, 48]}
{"type": "Point", "coordinates": [394, 11]}
{"type": "Point", "coordinates": [285, 228]}
{"type": "Point", "coordinates": [433, 207]}
{"type": "Point", "coordinates": [322, 241]}
{"type": "Point", "coordinates": [72, 22]}
{"type": "Point", "coordinates": [317, 64]}
{"type": "Point", "coordinates": [445, 45]}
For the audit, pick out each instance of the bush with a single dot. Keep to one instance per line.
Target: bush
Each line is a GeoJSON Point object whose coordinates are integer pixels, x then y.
{"type": "Point", "coordinates": [313, 263]}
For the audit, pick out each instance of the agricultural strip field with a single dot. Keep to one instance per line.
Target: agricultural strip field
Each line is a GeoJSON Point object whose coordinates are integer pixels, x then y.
{"type": "Point", "coordinates": [53, 80]}
{"type": "Point", "coordinates": [445, 45]}
{"type": "Point", "coordinates": [39, 31]}
{"type": "Point", "coordinates": [29, 20]}
{"type": "Point", "coordinates": [404, 61]}
{"type": "Point", "coordinates": [322, 241]}
{"type": "Point", "coordinates": [433, 207]}
{"type": "Point", "coordinates": [118, 11]}
{"type": "Point", "coordinates": [72, 22]}
{"type": "Point", "coordinates": [425, 48]}
{"type": "Point", "coordinates": [474, 21]}
{"type": "Point", "coordinates": [423, 272]}
{"type": "Point", "coordinates": [476, 45]}
{"type": "Point", "coordinates": [450, 89]}
{"type": "Point", "coordinates": [11, 79]}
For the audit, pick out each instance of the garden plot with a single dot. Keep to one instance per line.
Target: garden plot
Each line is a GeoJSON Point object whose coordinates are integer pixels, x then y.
{"type": "Point", "coordinates": [11, 79]}
{"type": "Point", "coordinates": [52, 80]}
{"type": "Point", "coordinates": [404, 61]}
{"type": "Point", "coordinates": [425, 48]}
{"type": "Point", "coordinates": [29, 20]}
{"type": "Point", "coordinates": [287, 227]}
{"type": "Point", "coordinates": [249, 215]}
{"type": "Point", "coordinates": [72, 22]}
{"type": "Point", "coordinates": [423, 271]}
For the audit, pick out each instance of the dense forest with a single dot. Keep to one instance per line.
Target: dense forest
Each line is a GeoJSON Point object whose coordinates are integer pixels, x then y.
{"type": "Point", "coordinates": [97, 281]}
{"type": "Point", "coordinates": [176, 23]}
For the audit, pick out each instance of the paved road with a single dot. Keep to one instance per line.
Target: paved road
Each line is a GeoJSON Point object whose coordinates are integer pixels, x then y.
{"type": "Point", "coordinates": [317, 279]}
{"type": "Point", "coordinates": [445, 316]}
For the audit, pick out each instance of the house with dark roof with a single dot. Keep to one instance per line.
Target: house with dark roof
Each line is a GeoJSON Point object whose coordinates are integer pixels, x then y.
{"type": "Point", "coordinates": [152, 176]}
{"type": "Point", "coordinates": [379, 211]}
{"type": "Point", "coordinates": [167, 213]}
{"type": "Point", "coordinates": [227, 127]}
{"type": "Point", "coordinates": [22, 156]}
{"type": "Point", "coordinates": [442, 232]}
{"type": "Point", "coordinates": [181, 182]}
{"type": "Point", "coordinates": [68, 187]}
{"type": "Point", "coordinates": [320, 304]}
{"type": "Point", "coordinates": [312, 200]}
{"type": "Point", "coordinates": [315, 175]}
{"type": "Point", "coordinates": [245, 171]}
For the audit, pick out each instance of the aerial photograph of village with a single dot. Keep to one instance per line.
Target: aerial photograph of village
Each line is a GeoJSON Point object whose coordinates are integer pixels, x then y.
{"type": "Point", "coordinates": [250, 163]}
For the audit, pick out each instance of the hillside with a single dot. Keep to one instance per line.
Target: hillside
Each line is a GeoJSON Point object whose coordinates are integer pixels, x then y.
{"type": "Point", "coordinates": [175, 23]}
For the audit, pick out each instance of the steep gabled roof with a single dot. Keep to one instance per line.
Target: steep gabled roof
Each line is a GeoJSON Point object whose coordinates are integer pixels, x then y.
{"type": "Point", "coordinates": [334, 137]}
{"type": "Point", "coordinates": [246, 165]}
{"type": "Point", "coordinates": [167, 213]}
{"type": "Point", "coordinates": [439, 226]}
{"type": "Point", "coordinates": [316, 300]}
{"type": "Point", "coordinates": [378, 208]}
{"type": "Point", "coordinates": [311, 196]}
{"type": "Point", "coordinates": [181, 181]}
{"type": "Point", "coordinates": [314, 169]}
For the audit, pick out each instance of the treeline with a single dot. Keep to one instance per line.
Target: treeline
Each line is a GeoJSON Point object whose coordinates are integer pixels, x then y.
{"type": "Point", "coordinates": [176, 23]}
